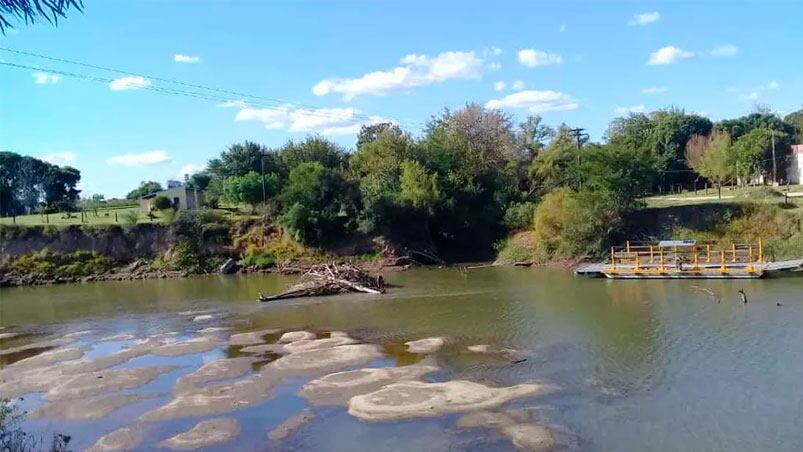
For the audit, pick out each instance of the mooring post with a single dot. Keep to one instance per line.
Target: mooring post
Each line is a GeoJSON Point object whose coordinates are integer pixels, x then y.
{"type": "Point", "coordinates": [760, 252]}
{"type": "Point", "coordinates": [722, 267]}
{"type": "Point", "coordinates": [733, 252]}
{"type": "Point", "coordinates": [696, 263]}
{"type": "Point", "coordinates": [708, 253]}
{"type": "Point", "coordinates": [661, 268]}
{"type": "Point", "coordinates": [651, 254]}
{"type": "Point", "coordinates": [613, 261]}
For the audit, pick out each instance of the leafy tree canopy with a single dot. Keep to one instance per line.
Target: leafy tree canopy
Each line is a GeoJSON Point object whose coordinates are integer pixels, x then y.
{"type": "Point", "coordinates": [145, 188]}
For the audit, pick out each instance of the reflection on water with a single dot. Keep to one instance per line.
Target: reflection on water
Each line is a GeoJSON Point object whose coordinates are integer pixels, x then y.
{"type": "Point", "coordinates": [635, 365]}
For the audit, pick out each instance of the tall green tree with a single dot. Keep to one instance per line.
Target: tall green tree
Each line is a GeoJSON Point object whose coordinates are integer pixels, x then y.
{"type": "Point", "coordinates": [145, 188]}
{"type": "Point", "coordinates": [795, 119]}
{"type": "Point", "coordinates": [319, 204]}
{"type": "Point", "coordinates": [717, 160]}
{"type": "Point", "coordinates": [250, 188]}
{"type": "Point", "coordinates": [311, 149]}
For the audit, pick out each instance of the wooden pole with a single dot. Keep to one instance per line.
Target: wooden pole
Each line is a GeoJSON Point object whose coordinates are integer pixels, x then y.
{"type": "Point", "coordinates": [652, 255]}
{"type": "Point", "coordinates": [760, 251]}
{"type": "Point", "coordinates": [696, 263]}
{"type": "Point", "coordinates": [708, 253]}
{"type": "Point", "coordinates": [661, 268]}
{"type": "Point", "coordinates": [613, 261]}
{"type": "Point", "coordinates": [733, 252]}
{"type": "Point", "coordinates": [722, 267]}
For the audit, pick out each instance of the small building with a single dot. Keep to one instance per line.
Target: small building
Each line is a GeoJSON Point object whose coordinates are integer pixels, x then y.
{"type": "Point", "coordinates": [795, 170]}
{"type": "Point", "coordinates": [182, 198]}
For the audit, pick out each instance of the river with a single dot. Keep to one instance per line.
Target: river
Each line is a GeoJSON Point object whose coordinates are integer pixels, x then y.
{"type": "Point", "coordinates": [627, 365]}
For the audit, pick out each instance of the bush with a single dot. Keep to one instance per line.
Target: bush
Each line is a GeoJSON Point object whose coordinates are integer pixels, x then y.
{"type": "Point", "coordinates": [259, 260]}
{"type": "Point", "coordinates": [130, 217]}
{"type": "Point", "coordinates": [14, 438]}
{"type": "Point", "coordinates": [162, 202]}
{"type": "Point", "coordinates": [570, 224]}
{"type": "Point", "coordinates": [50, 264]}
{"type": "Point", "coordinates": [520, 215]}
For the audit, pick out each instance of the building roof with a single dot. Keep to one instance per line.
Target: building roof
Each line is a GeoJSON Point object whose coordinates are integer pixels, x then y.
{"type": "Point", "coordinates": [154, 194]}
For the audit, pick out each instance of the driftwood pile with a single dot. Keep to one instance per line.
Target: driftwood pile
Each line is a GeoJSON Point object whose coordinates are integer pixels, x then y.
{"type": "Point", "coordinates": [331, 279]}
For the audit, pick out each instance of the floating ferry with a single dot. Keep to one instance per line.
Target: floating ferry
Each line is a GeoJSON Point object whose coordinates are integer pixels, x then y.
{"type": "Point", "coordinates": [686, 259]}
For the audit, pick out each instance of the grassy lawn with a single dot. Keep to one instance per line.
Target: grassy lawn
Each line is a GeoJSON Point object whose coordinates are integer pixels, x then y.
{"type": "Point", "coordinates": [730, 194]}
{"type": "Point", "coordinates": [104, 216]}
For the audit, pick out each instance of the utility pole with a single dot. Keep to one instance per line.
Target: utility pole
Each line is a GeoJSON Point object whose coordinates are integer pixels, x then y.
{"type": "Point", "coordinates": [262, 165]}
{"type": "Point", "coordinates": [774, 165]}
{"type": "Point", "coordinates": [579, 135]}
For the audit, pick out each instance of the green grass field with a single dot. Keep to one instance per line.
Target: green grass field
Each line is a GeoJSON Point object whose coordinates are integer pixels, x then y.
{"type": "Point", "coordinates": [103, 216]}
{"type": "Point", "coordinates": [731, 195]}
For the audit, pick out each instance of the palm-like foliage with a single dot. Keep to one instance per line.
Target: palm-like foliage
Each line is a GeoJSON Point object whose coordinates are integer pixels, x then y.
{"type": "Point", "coordinates": [29, 11]}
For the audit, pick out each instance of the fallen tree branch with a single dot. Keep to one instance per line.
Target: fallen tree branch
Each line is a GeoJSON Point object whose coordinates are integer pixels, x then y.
{"type": "Point", "coordinates": [331, 279]}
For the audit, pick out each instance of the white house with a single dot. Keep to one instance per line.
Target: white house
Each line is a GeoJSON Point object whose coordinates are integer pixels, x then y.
{"type": "Point", "coordinates": [795, 170]}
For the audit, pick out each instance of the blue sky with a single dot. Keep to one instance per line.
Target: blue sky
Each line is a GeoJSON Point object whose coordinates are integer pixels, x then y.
{"type": "Point", "coordinates": [328, 67]}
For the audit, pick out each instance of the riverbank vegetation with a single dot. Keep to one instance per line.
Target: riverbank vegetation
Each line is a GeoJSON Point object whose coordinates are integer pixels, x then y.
{"type": "Point", "coordinates": [476, 185]}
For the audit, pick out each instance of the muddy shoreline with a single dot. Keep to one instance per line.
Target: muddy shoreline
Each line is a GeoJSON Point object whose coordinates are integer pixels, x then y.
{"type": "Point", "coordinates": [132, 273]}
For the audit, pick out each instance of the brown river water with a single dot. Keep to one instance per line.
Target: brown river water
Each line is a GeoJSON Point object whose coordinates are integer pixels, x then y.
{"type": "Point", "coordinates": [618, 365]}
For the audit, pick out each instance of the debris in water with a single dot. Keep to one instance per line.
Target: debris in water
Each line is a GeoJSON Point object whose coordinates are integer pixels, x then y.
{"type": "Point", "coordinates": [331, 279]}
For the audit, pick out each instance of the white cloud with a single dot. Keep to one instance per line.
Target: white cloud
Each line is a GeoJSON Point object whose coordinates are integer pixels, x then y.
{"type": "Point", "coordinates": [773, 85]}
{"type": "Point", "coordinates": [654, 90]}
{"type": "Point", "coordinates": [415, 71]}
{"type": "Point", "coordinates": [494, 66]}
{"type": "Point", "coordinates": [42, 78]}
{"type": "Point", "coordinates": [327, 121]}
{"type": "Point", "coordinates": [492, 51]}
{"type": "Point", "coordinates": [60, 158]}
{"type": "Point", "coordinates": [752, 95]}
{"type": "Point", "coordinates": [239, 103]}
{"type": "Point", "coordinates": [627, 110]}
{"type": "Point", "coordinates": [668, 55]}
{"type": "Point", "coordinates": [518, 85]}
{"type": "Point", "coordinates": [645, 18]}
{"type": "Point", "coordinates": [725, 51]}
{"type": "Point", "coordinates": [533, 58]}
{"type": "Point", "coordinates": [131, 82]}
{"type": "Point", "coordinates": [499, 86]}
{"type": "Point", "coordinates": [535, 101]}
{"type": "Point", "coordinates": [143, 159]}
{"type": "Point", "coordinates": [562, 28]}
{"type": "Point", "coordinates": [179, 58]}
{"type": "Point", "coordinates": [190, 169]}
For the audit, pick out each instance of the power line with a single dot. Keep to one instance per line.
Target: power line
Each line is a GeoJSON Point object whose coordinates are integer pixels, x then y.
{"type": "Point", "coordinates": [265, 102]}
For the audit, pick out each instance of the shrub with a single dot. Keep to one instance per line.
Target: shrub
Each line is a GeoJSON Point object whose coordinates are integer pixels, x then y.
{"type": "Point", "coordinates": [130, 217]}
{"type": "Point", "coordinates": [162, 202]}
{"type": "Point", "coordinates": [259, 260]}
{"type": "Point", "coordinates": [570, 224]}
{"type": "Point", "coordinates": [520, 215]}
{"type": "Point", "coordinates": [169, 215]}
{"type": "Point", "coordinates": [50, 264]}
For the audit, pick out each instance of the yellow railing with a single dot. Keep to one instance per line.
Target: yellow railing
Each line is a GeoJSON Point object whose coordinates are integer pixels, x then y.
{"type": "Point", "coordinates": [696, 258]}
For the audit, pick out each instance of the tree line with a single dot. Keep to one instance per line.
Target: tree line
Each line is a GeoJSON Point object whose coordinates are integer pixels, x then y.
{"type": "Point", "coordinates": [473, 175]}
{"type": "Point", "coordinates": [29, 185]}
